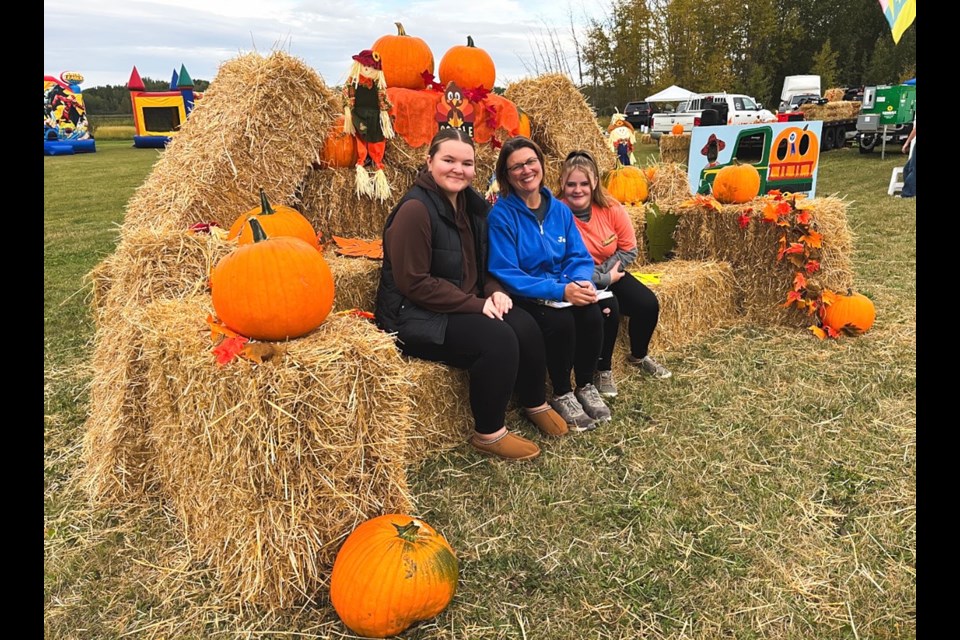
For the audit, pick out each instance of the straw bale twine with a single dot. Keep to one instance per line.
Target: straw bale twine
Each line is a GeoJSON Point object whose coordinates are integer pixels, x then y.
{"type": "Point", "coordinates": [561, 120]}
{"type": "Point", "coordinates": [704, 234]}
{"type": "Point", "coordinates": [261, 123]}
{"type": "Point", "coordinates": [269, 465]}
{"type": "Point", "coordinates": [831, 111]}
{"type": "Point", "coordinates": [675, 148]}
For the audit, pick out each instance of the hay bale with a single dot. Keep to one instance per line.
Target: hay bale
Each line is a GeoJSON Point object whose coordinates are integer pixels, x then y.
{"type": "Point", "coordinates": [763, 283]}
{"type": "Point", "coordinates": [269, 465]}
{"type": "Point", "coordinates": [839, 110]}
{"type": "Point", "coordinates": [561, 120]}
{"type": "Point", "coordinates": [834, 94]}
{"type": "Point", "coordinates": [696, 297]}
{"type": "Point", "coordinates": [646, 138]}
{"type": "Point", "coordinates": [638, 219]}
{"type": "Point", "coordinates": [261, 123]}
{"type": "Point", "coordinates": [441, 399]}
{"type": "Point", "coordinates": [675, 148]}
{"type": "Point", "coordinates": [670, 185]}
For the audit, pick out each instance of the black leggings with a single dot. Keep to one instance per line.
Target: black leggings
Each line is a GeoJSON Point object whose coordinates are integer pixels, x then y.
{"type": "Point", "coordinates": [634, 300]}
{"type": "Point", "coordinates": [573, 337]}
{"type": "Point", "coordinates": [498, 354]}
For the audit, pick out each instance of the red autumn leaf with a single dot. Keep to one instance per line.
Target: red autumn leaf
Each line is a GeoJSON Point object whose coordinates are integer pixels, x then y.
{"type": "Point", "coordinates": [202, 227]}
{"type": "Point", "coordinates": [372, 249]}
{"type": "Point", "coordinates": [795, 247]}
{"type": "Point", "coordinates": [476, 94]}
{"type": "Point", "coordinates": [833, 333]}
{"type": "Point", "coordinates": [803, 218]}
{"type": "Point", "coordinates": [799, 282]}
{"type": "Point", "coordinates": [775, 194]}
{"type": "Point", "coordinates": [812, 239]}
{"type": "Point", "coordinates": [784, 208]}
{"type": "Point", "coordinates": [743, 220]}
{"type": "Point", "coordinates": [817, 331]}
{"type": "Point", "coordinates": [812, 266]}
{"type": "Point", "coordinates": [228, 349]}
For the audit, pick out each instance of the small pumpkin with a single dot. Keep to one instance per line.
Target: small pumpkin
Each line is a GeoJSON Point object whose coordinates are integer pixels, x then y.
{"type": "Point", "coordinates": [404, 59]}
{"type": "Point", "coordinates": [677, 129]}
{"type": "Point", "coordinates": [736, 184]}
{"type": "Point", "coordinates": [627, 184]}
{"type": "Point", "coordinates": [392, 571]}
{"type": "Point", "coordinates": [469, 66]}
{"type": "Point", "coordinates": [339, 149]}
{"type": "Point", "coordinates": [276, 221]}
{"type": "Point", "coordinates": [273, 288]}
{"type": "Point", "coordinates": [852, 313]}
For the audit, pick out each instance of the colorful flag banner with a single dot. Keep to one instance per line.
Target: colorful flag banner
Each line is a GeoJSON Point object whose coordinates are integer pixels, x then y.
{"type": "Point", "coordinates": [900, 14]}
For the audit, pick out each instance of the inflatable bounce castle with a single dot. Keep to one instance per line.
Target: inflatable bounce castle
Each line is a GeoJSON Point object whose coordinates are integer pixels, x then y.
{"type": "Point", "coordinates": [65, 127]}
{"type": "Point", "coordinates": [157, 115]}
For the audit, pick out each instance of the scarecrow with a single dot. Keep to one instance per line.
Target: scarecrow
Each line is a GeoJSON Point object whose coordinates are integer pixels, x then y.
{"type": "Point", "coordinates": [622, 139]}
{"type": "Point", "coordinates": [367, 119]}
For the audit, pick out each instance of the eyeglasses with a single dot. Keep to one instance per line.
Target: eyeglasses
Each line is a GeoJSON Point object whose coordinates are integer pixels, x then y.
{"type": "Point", "coordinates": [580, 154]}
{"type": "Point", "coordinates": [520, 166]}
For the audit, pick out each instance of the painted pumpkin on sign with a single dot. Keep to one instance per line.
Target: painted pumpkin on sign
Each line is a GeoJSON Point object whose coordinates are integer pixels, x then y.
{"type": "Point", "coordinates": [392, 571]}
{"type": "Point", "coordinates": [272, 289]}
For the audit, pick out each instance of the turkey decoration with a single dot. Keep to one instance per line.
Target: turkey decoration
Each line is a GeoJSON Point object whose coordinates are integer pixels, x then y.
{"type": "Point", "coordinates": [454, 111]}
{"type": "Point", "coordinates": [367, 119]}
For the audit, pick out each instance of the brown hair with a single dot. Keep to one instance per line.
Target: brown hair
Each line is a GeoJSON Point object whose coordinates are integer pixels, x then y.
{"type": "Point", "coordinates": [449, 133]}
{"type": "Point", "coordinates": [581, 160]}
{"type": "Point", "coordinates": [513, 144]}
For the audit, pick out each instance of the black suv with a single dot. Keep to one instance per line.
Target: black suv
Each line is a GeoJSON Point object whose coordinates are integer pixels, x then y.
{"type": "Point", "coordinates": [640, 113]}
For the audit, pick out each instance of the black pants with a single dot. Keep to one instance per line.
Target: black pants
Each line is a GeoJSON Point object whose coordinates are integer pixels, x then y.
{"type": "Point", "coordinates": [634, 300]}
{"type": "Point", "coordinates": [499, 355]}
{"type": "Point", "coordinates": [573, 337]}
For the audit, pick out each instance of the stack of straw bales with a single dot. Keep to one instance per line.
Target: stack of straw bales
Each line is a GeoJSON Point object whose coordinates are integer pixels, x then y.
{"type": "Point", "coordinates": [840, 110]}
{"type": "Point", "coordinates": [763, 283]}
{"type": "Point", "coordinates": [675, 148]}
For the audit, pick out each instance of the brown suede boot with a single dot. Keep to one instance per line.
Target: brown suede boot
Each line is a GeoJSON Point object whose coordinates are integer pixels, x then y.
{"type": "Point", "coordinates": [509, 446]}
{"type": "Point", "coordinates": [547, 420]}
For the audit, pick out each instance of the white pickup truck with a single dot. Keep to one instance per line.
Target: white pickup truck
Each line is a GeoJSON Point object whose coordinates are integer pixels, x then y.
{"type": "Point", "coordinates": [741, 109]}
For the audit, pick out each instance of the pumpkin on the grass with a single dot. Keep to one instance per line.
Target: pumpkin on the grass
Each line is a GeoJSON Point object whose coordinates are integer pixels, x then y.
{"type": "Point", "coordinates": [627, 184]}
{"type": "Point", "coordinates": [852, 313]}
{"type": "Point", "coordinates": [404, 59]}
{"type": "Point", "coordinates": [276, 221]}
{"type": "Point", "coordinates": [736, 184]}
{"type": "Point", "coordinates": [272, 289]}
{"type": "Point", "coordinates": [392, 571]}
{"type": "Point", "coordinates": [469, 66]}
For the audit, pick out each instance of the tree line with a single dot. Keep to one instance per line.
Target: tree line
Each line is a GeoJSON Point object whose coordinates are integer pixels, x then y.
{"type": "Point", "coordinates": [114, 99]}
{"type": "Point", "coordinates": [643, 46]}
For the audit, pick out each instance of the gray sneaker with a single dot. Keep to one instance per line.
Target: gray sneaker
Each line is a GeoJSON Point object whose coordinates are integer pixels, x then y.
{"type": "Point", "coordinates": [651, 366]}
{"type": "Point", "coordinates": [603, 381]}
{"type": "Point", "coordinates": [570, 410]}
{"type": "Point", "coordinates": [592, 403]}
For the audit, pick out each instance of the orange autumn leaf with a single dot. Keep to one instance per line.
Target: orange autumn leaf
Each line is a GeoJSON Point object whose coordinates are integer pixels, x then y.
{"type": "Point", "coordinates": [799, 282]}
{"type": "Point", "coordinates": [812, 266]}
{"type": "Point", "coordinates": [827, 297]}
{"type": "Point", "coordinates": [795, 247]}
{"type": "Point", "coordinates": [812, 239]}
{"type": "Point", "coordinates": [700, 200]}
{"type": "Point", "coordinates": [776, 194]}
{"type": "Point", "coordinates": [792, 297]}
{"type": "Point", "coordinates": [217, 328]}
{"type": "Point", "coordinates": [769, 212]}
{"type": "Point", "coordinates": [817, 331]}
{"type": "Point", "coordinates": [372, 249]}
{"type": "Point", "coordinates": [260, 352]}
{"type": "Point", "coordinates": [781, 247]}
{"type": "Point", "coordinates": [803, 218]}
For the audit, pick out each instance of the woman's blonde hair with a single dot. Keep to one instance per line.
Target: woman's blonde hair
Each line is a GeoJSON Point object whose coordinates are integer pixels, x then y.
{"type": "Point", "coordinates": [580, 160]}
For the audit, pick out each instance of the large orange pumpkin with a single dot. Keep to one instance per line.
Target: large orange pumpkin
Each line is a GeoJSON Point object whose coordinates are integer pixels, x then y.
{"type": "Point", "coordinates": [276, 221]}
{"type": "Point", "coordinates": [852, 314]}
{"type": "Point", "coordinates": [272, 289]}
{"type": "Point", "coordinates": [340, 149]}
{"type": "Point", "coordinates": [736, 184]}
{"type": "Point", "coordinates": [627, 184]}
{"type": "Point", "coordinates": [392, 571]}
{"type": "Point", "coordinates": [469, 66]}
{"type": "Point", "coordinates": [404, 59]}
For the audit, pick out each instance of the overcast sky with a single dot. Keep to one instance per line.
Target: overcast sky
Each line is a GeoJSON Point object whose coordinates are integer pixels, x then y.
{"type": "Point", "coordinates": [104, 39]}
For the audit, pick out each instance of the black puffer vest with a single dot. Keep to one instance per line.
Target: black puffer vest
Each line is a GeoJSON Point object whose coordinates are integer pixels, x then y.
{"type": "Point", "coordinates": [394, 312]}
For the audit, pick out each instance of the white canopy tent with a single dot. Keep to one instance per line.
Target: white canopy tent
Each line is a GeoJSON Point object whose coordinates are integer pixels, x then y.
{"type": "Point", "coordinates": [673, 93]}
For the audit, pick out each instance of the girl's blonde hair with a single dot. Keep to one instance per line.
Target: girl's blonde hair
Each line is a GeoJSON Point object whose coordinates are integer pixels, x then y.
{"type": "Point", "coordinates": [581, 160]}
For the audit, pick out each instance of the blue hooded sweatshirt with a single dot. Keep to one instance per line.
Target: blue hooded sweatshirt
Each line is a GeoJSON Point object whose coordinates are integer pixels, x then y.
{"type": "Point", "coordinates": [536, 260]}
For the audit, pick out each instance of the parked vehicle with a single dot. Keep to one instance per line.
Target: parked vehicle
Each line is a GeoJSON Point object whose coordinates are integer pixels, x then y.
{"type": "Point", "coordinates": [887, 111]}
{"type": "Point", "coordinates": [799, 90]}
{"type": "Point", "coordinates": [740, 109]}
{"type": "Point", "coordinates": [800, 99]}
{"type": "Point", "coordinates": [640, 114]}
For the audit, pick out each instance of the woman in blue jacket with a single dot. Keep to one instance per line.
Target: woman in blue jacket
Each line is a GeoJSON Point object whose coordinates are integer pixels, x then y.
{"type": "Point", "coordinates": [538, 256]}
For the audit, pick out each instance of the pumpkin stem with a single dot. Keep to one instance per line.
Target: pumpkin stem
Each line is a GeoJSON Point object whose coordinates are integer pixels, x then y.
{"type": "Point", "coordinates": [408, 532]}
{"type": "Point", "coordinates": [400, 31]}
{"type": "Point", "coordinates": [470, 41]}
{"type": "Point", "coordinates": [265, 208]}
{"type": "Point", "coordinates": [258, 232]}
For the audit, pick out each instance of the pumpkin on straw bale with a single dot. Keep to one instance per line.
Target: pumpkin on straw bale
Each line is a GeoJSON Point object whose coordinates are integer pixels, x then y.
{"type": "Point", "coordinates": [469, 66]}
{"type": "Point", "coordinates": [275, 221]}
{"type": "Point", "coordinates": [404, 59]}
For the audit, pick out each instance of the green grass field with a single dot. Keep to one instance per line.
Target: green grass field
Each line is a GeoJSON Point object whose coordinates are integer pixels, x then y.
{"type": "Point", "coordinates": [767, 490]}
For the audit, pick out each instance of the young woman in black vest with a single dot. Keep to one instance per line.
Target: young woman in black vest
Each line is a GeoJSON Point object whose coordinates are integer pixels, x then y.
{"type": "Point", "coordinates": [435, 293]}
